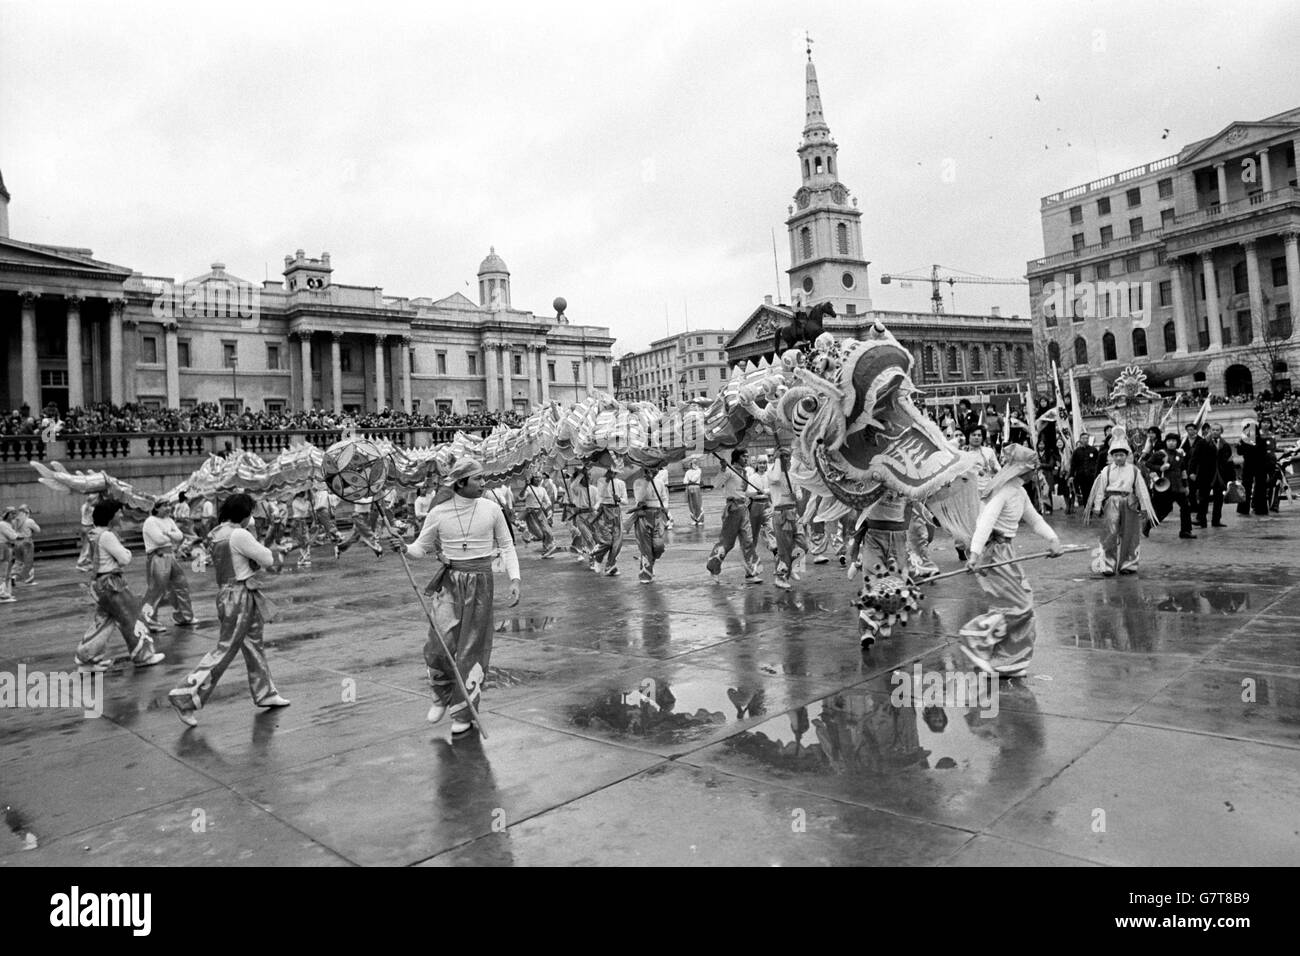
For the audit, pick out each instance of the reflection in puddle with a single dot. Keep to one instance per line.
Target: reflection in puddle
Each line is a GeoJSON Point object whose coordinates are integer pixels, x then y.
{"type": "Point", "coordinates": [1200, 600]}
{"type": "Point", "coordinates": [500, 677]}
{"type": "Point", "coordinates": [518, 625]}
{"type": "Point", "coordinates": [679, 712]}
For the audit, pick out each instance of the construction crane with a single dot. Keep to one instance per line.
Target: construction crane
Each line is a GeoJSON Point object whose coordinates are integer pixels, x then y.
{"type": "Point", "coordinates": [934, 278]}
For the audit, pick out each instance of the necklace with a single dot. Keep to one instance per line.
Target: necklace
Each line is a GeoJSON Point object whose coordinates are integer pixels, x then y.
{"type": "Point", "coordinates": [464, 532]}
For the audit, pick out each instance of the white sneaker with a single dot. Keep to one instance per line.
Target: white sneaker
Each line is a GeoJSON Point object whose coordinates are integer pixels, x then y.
{"type": "Point", "coordinates": [460, 727]}
{"type": "Point", "coordinates": [436, 712]}
{"type": "Point", "coordinates": [783, 585]}
{"type": "Point", "coordinates": [8, 599]}
{"type": "Point", "coordinates": [157, 657]}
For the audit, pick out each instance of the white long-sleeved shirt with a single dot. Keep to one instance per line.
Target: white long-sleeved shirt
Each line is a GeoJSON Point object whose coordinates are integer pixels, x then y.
{"type": "Point", "coordinates": [113, 555]}
{"type": "Point", "coordinates": [734, 487]}
{"type": "Point", "coordinates": [611, 492]}
{"type": "Point", "coordinates": [7, 533]}
{"type": "Point", "coordinates": [536, 498]}
{"type": "Point", "coordinates": [25, 527]}
{"type": "Point", "coordinates": [423, 503]}
{"type": "Point", "coordinates": [244, 548]}
{"type": "Point", "coordinates": [182, 511]}
{"type": "Point", "coordinates": [1120, 478]}
{"type": "Point", "coordinates": [692, 476]}
{"type": "Point", "coordinates": [1003, 513]}
{"type": "Point", "coordinates": [778, 487]}
{"type": "Point", "coordinates": [580, 494]}
{"type": "Point", "coordinates": [643, 491]}
{"type": "Point", "coordinates": [160, 533]}
{"type": "Point", "coordinates": [87, 514]}
{"type": "Point", "coordinates": [461, 529]}
{"type": "Point", "coordinates": [320, 499]}
{"type": "Point", "coordinates": [757, 483]}
{"type": "Point", "coordinates": [300, 508]}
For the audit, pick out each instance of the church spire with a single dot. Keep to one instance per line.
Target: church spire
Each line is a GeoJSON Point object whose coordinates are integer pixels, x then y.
{"type": "Point", "coordinates": [815, 129]}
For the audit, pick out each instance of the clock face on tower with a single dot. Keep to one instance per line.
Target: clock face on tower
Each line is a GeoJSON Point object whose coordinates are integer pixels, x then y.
{"type": "Point", "coordinates": [840, 195]}
{"type": "Point", "coordinates": [802, 198]}
{"type": "Point", "coordinates": [807, 283]}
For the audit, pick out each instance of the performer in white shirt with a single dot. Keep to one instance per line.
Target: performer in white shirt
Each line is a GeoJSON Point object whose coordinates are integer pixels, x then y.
{"type": "Point", "coordinates": [735, 521]}
{"type": "Point", "coordinates": [115, 605]}
{"type": "Point", "coordinates": [163, 572]}
{"type": "Point", "coordinates": [323, 503]}
{"type": "Point", "coordinates": [361, 529]}
{"type": "Point", "coordinates": [87, 527]}
{"type": "Point", "coordinates": [649, 518]}
{"type": "Point", "coordinates": [8, 538]}
{"type": "Point", "coordinates": [242, 611]}
{"type": "Point", "coordinates": [300, 511]}
{"type": "Point", "coordinates": [583, 514]}
{"type": "Point", "coordinates": [504, 496]}
{"type": "Point", "coordinates": [464, 533]}
{"type": "Point", "coordinates": [791, 543]}
{"type": "Point", "coordinates": [1001, 641]}
{"type": "Point", "coordinates": [1120, 496]}
{"type": "Point", "coordinates": [537, 513]}
{"type": "Point", "coordinates": [611, 492]}
{"type": "Point", "coordinates": [25, 549]}
{"type": "Point", "coordinates": [760, 506]}
{"type": "Point", "coordinates": [694, 479]}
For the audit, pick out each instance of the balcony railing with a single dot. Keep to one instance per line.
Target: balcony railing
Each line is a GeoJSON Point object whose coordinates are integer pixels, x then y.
{"type": "Point", "coordinates": [1084, 252]}
{"type": "Point", "coordinates": [1254, 203]}
{"type": "Point", "coordinates": [157, 446]}
{"type": "Point", "coordinates": [1107, 181]}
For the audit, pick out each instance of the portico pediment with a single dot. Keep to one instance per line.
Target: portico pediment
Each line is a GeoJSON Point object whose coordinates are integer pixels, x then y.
{"type": "Point", "coordinates": [1235, 139]}
{"type": "Point", "coordinates": [760, 327]}
{"type": "Point", "coordinates": [20, 255]}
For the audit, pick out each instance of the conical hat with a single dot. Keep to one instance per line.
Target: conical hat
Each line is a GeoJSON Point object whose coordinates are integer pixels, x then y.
{"type": "Point", "coordinates": [1119, 440]}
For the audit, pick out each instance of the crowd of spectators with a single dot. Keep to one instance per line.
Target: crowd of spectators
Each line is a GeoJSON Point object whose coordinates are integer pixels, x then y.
{"type": "Point", "coordinates": [103, 419]}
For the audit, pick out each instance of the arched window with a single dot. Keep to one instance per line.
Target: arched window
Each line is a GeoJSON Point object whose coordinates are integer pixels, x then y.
{"type": "Point", "coordinates": [830, 165]}
{"type": "Point", "coordinates": [1108, 347]}
{"type": "Point", "coordinates": [976, 360]}
{"type": "Point", "coordinates": [1171, 338]}
{"type": "Point", "coordinates": [953, 366]}
{"type": "Point", "coordinates": [806, 172]}
{"type": "Point", "coordinates": [1054, 353]}
{"type": "Point", "coordinates": [999, 365]}
{"type": "Point", "coordinates": [929, 361]}
{"type": "Point", "coordinates": [1080, 351]}
{"type": "Point", "coordinates": [1018, 360]}
{"type": "Point", "coordinates": [842, 239]}
{"type": "Point", "coordinates": [805, 240]}
{"type": "Point", "coordinates": [817, 165]}
{"type": "Point", "coordinates": [1139, 342]}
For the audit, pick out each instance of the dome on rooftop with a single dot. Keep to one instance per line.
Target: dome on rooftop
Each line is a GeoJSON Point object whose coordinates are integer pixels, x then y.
{"type": "Point", "coordinates": [493, 263]}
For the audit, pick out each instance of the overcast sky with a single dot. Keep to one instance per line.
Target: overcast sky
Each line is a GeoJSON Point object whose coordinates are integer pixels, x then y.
{"type": "Point", "coordinates": [634, 161]}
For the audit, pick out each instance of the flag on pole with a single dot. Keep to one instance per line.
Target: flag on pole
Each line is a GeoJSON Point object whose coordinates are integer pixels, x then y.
{"type": "Point", "coordinates": [1205, 410]}
{"type": "Point", "coordinates": [1076, 410]}
{"type": "Point", "coordinates": [1031, 422]}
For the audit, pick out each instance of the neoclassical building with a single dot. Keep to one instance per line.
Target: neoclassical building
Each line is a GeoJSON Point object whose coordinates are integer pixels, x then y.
{"type": "Point", "coordinates": [1188, 266]}
{"type": "Point", "coordinates": [78, 330]}
{"type": "Point", "coordinates": [955, 355]}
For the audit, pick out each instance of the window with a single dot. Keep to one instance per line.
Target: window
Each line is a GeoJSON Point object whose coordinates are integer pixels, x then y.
{"type": "Point", "coordinates": [443, 405]}
{"type": "Point", "coordinates": [1080, 351]}
{"type": "Point", "coordinates": [1133, 264]}
{"type": "Point", "coordinates": [850, 309]}
{"type": "Point", "coordinates": [1108, 347]}
{"type": "Point", "coordinates": [1161, 256]}
{"type": "Point", "coordinates": [1135, 304]}
{"type": "Point", "coordinates": [1199, 282]}
{"type": "Point", "coordinates": [1076, 241]}
{"type": "Point", "coordinates": [471, 362]}
{"type": "Point", "coordinates": [1166, 218]}
{"type": "Point", "coordinates": [1053, 353]}
{"type": "Point", "coordinates": [1203, 333]}
{"type": "Point", "coordinates": [1165, 188]}
{"type": "Point", "coordinates": [1245, 333]}
{"type": "Point", "coordinates": [842, 239]}
{"type": "Point", "coordinates": [1107, 234]}
{"type": "Point", "coordinates": [550, 371]}
{"type": "Point", "coordinates": [976, 360]}
{"type": "Point", "coordinates": [999, 360]}
{"type": "Point", "coordinates": [229, 354]}
{"type": "Point", "coordinates": [54, 378]}
{"type": "Point", "coordinates": [1103, 270]}
{"type": "Point", "coordinates": [1135, 227]}
{"type": "Point", "coordinates": [517, 364]}
{"type": "Point", "coordinates": [274, 406]}
{"type": "Point", "coordinates": [690, 375]}
{"type": "Point", "coordinates": [807, 283]}
{"type": "Point", "coordinates": [1167, 292]}
{"type": "Point", "coordinates": [1139, 342]}
{"type": "Point", "coordinates": [929, 362]}
{"type": "Point", "coordinates": [699, 356]}
{"type": "Point", "coordinates": [805, 242]}
{"type": "Point", "coordinates": [577, 371]}
{"type": "Point", "coordinates": [345, 359]}
{"type": "Point", "coordinates": [719, 339]}
{"type": "Point", "coordinates": [699, 340]}
{"type": "Point", "coordinates": [1171, 338]}
{"type": "Point", "coordinates": [1240, 279]}
{"type": "Point", "coordinates": [149, 349]}
{"type": "Point", "coordinates": [1279, 271]}
{"type": "Point", "coordinates": [440, 362]}
{"type": "Point", "coordinates": [273, 359]}
{"type": "Point", "coordinates": [231, 407]}
{"type": "Point", "coordinates": [1076, 215]}
{"type": "Point", "coordinates": [1280, 327]}
{"type": "Point", "coordinates": [952, 360]}
{"type": "Point", "coordinates": [1103, 206]}
{"type": "Point", "coordinates": [1078, 276]}
{"type": "Point", "coordinates": [474, 406]}
{"type": "Point", "coordinates": [1134, 197]}
{"type": "Point", "coordinates": [183, 354]}
{"type": "Point", "coordinates": [1018, 360]}
{"type": "Point", "coordinates": [722, 356]}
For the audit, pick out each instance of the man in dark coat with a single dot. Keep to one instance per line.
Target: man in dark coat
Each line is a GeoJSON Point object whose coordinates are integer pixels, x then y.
{"type": "Point", "coordinates": [1265, 467]}
{"type": "Point", "coordinates": [1083, 471]}
{"type": "Point", "coordinates": [1214, 469]}
{"type": "Point", "coordinates": [1191, 441]}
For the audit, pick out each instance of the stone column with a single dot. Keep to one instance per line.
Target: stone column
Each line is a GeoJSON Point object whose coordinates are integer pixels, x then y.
{"type": "Point", "coordinates": [1221, 171]}
{"type": "Point", "coordinates": [379, 373]}
{"type": "Point", "coordinates": [304, 352]}
{"type": "Point", "coordinates": [1177, 275]}
{"type": "Point", "coordinates": [31, 374]}
{"type": "Point", "coordinates": [336, 372]}
{"type": "Point", "coordinates": [545, 367]}
{"type": "Point", "coordinates": [489, 376]}
{"type": "Point", "coordinates": [116, 370]}
{"type": "Point", "coordinates": [1292, 241]}
{"type": "Point", "coordinates": [1265, 174]}
{"type": "Point", "coordinates": [76, 374]}
{"type": "Point", "coordinates": [1257, 316]}
{"type": "Point", "coordinates": [586, 374]}
{"type": "Point", "coordinates": [1211, 299]}
{"type": "Point", "coordinates": [507, 377]}
{"type": "Point", "coordinates": [173, 360]}
{"type": "Point", "coordinates": [404, 359]}
{"type": "Point", "coordinates": [130, 356]}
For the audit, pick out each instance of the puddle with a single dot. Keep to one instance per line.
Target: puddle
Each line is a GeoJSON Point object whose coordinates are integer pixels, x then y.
{"type": "Point", "coordinates": [685, 711]}
{"type": "Point", "coordinates": [500, 677]}
{"type": "Point", "coordinates": [522, 625]}
{"type": "Point", "coordinates": [1199, 600]}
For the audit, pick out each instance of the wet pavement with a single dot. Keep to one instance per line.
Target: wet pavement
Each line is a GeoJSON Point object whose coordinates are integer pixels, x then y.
{"type": "Point", "coordinates": [688, 723]}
